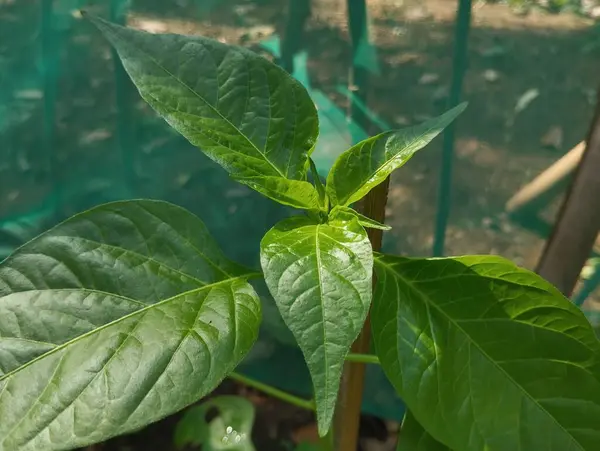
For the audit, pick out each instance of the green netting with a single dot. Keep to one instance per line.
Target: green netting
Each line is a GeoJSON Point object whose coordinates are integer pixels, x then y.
{"type": "Point", "coordinates": [74, 132]}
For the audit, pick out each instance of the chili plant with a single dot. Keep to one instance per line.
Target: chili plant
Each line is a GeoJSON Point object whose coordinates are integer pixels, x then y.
{"type": "Point", "coordinates": [129, 312]}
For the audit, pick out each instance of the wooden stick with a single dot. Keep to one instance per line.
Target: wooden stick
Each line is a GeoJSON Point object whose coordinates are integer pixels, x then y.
{"type": "Point", "coordinates": [537, 194]}
{"type": "Point", "coordinates": [348, 409]}
{"type": "Point", "coordinates": [578, 223]}
{"type": "Point", "coordinates": [347, 421]}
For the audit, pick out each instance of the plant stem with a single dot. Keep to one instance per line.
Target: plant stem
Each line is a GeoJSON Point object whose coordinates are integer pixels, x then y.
{"type": "Point", "coordinates": [255, 275]}
{"type": "Point", "coordinates": [363, 358]}
{"type": "Point", "coordinates": [274, 392]}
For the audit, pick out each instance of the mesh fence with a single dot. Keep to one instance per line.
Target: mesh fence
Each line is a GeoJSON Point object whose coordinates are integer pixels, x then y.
{"type": "Point", "coordinates": [74, 133]}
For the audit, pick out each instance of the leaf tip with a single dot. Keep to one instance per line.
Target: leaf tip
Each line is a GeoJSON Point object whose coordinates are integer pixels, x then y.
{"type": "Point", "coordinates": [90, 17]}
{"type": "Point", "coordinates": [461, 107]}
{"type": "Point", "coordinates": [325, 410]}
{"type": "Point", "coordinates": [324, 424]}
{"type": "Point", "coordinates": [103, 25]}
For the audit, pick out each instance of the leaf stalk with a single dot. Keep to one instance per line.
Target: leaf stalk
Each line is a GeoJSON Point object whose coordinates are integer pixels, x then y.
{"type": "Point", "coordinates": [274, 392]}
{"type": "Point", "coordinates": [363, 358]}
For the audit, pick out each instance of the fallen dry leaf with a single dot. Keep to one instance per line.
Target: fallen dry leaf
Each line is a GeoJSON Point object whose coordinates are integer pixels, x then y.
{"type": "Point", "coordinates": [553, 138]}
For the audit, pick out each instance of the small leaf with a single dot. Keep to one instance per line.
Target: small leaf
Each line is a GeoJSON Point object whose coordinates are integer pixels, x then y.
{"type": "Point", "coordinates": [294, 193]}
{"type": "Point", "coordinates": [340, 212]}
{"type": "Point", "coordinates": [320, 277]}
{"type": "Point", "coordinates": [114, 319]}
{"type": "Point", "coordinates": [319, 185]}
{"type": "Point", "coordinates": [246, 113]}
{"type": "Point", "coordinates": [414, 438]}
{"type": "Point", "coordinates": [368, 163]}
{"type": "Point", "coordinates": [221, 423]}
{"type": "Point", "coordinates": [487, 355]}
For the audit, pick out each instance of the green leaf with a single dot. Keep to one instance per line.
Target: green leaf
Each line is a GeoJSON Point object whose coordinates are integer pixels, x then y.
{"type": "Point", "coordinates": [340, 212]}
{"type": "Point", "coordinates": [368, 163]}
{"type": "Point", "coordinates": [308, 446]}
{"type": "Point", "coordinates": [221, 423]}
{"type": "Point", "coordinates": [114, 319]}
{"type": "Point", "coordinates": [320, 277]}
{"type": "Point", "coordinates": [246, 113]}
{"type": "Point", "coordinates": [487, 355]}
{"type": "Point", "coordinates": [324, 202]}
{"type": "Point", "coordinates": [294, 193]}
{"type": "Point", "coordinates": [414, 438]}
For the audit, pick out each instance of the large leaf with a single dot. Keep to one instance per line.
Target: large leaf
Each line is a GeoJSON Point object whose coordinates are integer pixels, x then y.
{"type": "Point", "coordinates": [294, 193]}
{"type": "Point", "coordinates": [219, 424]}
{"type": "Point", "coordinates": [487, 355]}
{"type": "Point", "coordinates": [368, 163]}
{"type": "Point", "coordinates": [114, 319]}
{"type": "Point", "coordinates": [320, 276]}
{"type": "Point", "coordinates": [243, 111]}
{"type": "Point", "coordinates": [414, 438]}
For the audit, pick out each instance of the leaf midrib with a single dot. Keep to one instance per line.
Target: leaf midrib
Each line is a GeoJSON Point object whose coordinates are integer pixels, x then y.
{"type": "Point", "coordinates": [182, 83]}
{"type": "Point", "coordinates": [325, 359]}
{"type": "Point", "coordinates": [427, 301]}
{"type": "Point", "coordinates": [118, 320]}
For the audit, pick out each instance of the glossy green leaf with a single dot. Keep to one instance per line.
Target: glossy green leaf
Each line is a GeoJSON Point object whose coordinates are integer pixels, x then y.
{"type": "Point", "coordinates": [414, 438]}
{"type": "Point", "coordinates": [221, 423]}
{"type": "Point", "coordinates": [368, 163]}
{"type": "Point", "coordinates": [320, 277]}
{"type": "Point", "coordinates": [243, 111]}
{"type": "Point", "coordinates": [114, 319]}
{"type": "Point", "coordinates": [340, 212]}
{"type": "Point", "coordinates": [294, 193]}
{"type": "Point", "coordinates": [487, 355]}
